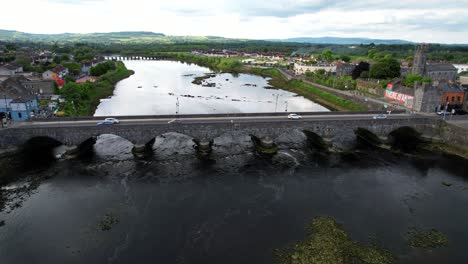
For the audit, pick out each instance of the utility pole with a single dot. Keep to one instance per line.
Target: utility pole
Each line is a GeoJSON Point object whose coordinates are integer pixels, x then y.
{"type": "Point", "coordinates": [276, 104]}
{"type": "Point", "coordinates": [286, 109]}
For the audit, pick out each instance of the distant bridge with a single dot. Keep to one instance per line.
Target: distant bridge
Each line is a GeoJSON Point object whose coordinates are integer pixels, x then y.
{"type": "Point", "coordinates": [128, 58]}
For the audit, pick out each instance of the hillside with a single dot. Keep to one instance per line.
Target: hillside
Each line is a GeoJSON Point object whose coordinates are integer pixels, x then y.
{"type": "Point", "coordinates": [112, 37]}
{"type": "Point", "coordinates": [335, 40]}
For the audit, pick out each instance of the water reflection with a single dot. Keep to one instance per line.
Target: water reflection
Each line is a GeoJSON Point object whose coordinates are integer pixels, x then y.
{"type": "Point", "coordinates": [164, 82]}
{"type": "Point", "coordinates": [177, 211]}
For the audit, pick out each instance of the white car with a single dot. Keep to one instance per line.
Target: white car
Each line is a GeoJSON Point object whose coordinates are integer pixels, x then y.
{"type": "Point", "coordinates": [113, 120]}
{"type": "Point", "coordinates": [382, 116]}
{"type": "Point", "coordinates": [294, 116]}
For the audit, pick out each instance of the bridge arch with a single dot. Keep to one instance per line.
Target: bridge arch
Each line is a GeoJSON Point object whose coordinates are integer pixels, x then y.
{"type": "Point", "coordinates": [39, 151]}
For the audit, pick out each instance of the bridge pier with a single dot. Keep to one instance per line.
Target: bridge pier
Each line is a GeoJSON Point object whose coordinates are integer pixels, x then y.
{"type": "Point", "coordinates": [141, 151]}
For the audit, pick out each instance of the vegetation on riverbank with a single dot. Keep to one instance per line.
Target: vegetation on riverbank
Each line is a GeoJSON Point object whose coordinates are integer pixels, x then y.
{"type": "Point", "coordinates": [328, 242]}
{"type": "Point", "coordinates": [315, 94]}
{"type": "Point", "coordinates": [83, 99]}
{"type": "Point", "coordinates": [231, 65]}
{"type": "Point", "coordinates": [427, 239]}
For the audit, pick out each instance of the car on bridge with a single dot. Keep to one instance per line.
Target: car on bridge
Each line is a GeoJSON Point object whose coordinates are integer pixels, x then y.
{"type": "Point", "coordinates": [294, 116]}
{"type": "Point", "coordinates": [105, 123]}
{"type": "Point", "coordinates": [113, 120]}
{"type": "Point", "coordinates": [381, 116]}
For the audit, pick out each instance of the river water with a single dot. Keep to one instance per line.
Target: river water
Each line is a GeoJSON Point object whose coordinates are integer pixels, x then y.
{"type": "Point", "coordinates": [114, 209]}
{"type": "Point", "coordinates": [163, 83]}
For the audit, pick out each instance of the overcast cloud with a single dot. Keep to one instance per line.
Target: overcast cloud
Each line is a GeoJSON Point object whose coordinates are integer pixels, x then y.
{"type": "Point", "coordinates": [415, 20]}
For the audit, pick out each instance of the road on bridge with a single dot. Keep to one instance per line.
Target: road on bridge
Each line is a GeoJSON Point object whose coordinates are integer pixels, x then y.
{"type": "Point", "coordinates": [205, 120]}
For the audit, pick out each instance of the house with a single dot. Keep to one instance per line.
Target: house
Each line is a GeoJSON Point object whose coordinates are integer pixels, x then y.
{"type": "Point", "coordinates": [300, 68]}
{"type": "Point", "coordinates": [49, 75]}
{"type": "Point", "coordinates": [453, 95]}
{"type": "Point", "coordinates": [44, 89]}
{"type": "Point", "coordinates": [18, 103]}
{"type": "Point", "coordinates": [58, 72]}
{"type": "Point", "coordinates": [86, 67]}
{"type": "Point", "coordinates": [23, 108]}
{"type": "Point", "coordinates": [464, 80]}
{"type": "Point", "coordinates": [344, 69]}
{"type": "Point", "coordinates": [97, 61]}
{"type": "Point", "coordinates": [10, 69]}
{"type": "Point", "coordinates": [249, 61]}
{"type": "Point", "coordinates": [86, 79]}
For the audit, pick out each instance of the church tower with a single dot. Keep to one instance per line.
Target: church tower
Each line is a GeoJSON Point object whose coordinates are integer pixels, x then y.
{"type": "Point", "coordinates": [419, 61]}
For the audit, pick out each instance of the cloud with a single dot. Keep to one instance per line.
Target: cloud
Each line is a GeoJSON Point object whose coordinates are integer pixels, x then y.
{"type": "Point", "coordinates": [416, 20]}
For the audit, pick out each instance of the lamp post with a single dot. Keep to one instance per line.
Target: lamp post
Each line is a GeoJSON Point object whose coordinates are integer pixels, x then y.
{"type": "Point", "coordinates": [177, 107]}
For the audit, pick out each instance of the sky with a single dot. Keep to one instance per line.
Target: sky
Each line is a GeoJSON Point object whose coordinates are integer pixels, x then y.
{"type": "Point", "coordinates": [434, 21]}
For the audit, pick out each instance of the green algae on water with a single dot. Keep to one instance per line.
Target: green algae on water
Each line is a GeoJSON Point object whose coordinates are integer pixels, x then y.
{"type": "Point", "coordinates": [328, 243]}
{"type": "Point", "coordinates": [426, 239]}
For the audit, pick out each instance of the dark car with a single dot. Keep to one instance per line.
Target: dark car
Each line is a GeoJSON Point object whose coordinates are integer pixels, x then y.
{"type": "Point", "coordinates": [460, 112]}
{"type": "Point", "coordinates": [105, 123]}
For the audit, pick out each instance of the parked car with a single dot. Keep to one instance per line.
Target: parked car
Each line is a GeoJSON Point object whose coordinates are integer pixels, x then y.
{"type": "Point", "coordinates": [381, 116]}
{"type": "Point", "coordinates": [113, 120]}
{"type": "Point", "coordinates": [460, 112]}
{"type": "Point", "coordinates": [443, 112]}
{"type": "Point", "coordinates": [105, 123]}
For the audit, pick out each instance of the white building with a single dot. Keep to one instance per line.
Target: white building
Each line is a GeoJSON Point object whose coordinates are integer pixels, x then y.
{"type": "Point", "coordinates": [461, 67]}
{"type": "Point", "coordinates": [300, 68]}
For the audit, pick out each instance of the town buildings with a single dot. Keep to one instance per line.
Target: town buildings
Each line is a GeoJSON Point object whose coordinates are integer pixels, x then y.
{"type": "Point", "coordinates": [16, 101]}
{"type": "Point", "coordinates": [10, 69]}
{"type": "Point", "coordinates": [436, 71]}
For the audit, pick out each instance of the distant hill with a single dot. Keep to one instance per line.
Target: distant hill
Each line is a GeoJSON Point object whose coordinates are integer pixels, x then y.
{"type": "Point", "coordinates": [112, 37]}
{"type": "Point", "coordinates": [336, 40]}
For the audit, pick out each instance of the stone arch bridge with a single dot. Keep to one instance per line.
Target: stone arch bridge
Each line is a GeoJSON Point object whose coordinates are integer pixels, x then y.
{"type": "Point", "coordinates": [334, 130]}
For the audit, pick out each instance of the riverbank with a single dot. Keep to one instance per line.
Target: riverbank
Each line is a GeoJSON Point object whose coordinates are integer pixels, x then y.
{"type": "Point", "coordinates": [83, 99]}
{"type": "Point", "coordinates": [329, 100]}
{"type": "Point", "coordinates": [277, 80]}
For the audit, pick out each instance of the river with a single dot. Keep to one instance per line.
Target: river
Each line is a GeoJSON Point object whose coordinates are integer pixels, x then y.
{"type": "Point", "coordinates": [157, 87]}
{"type": "Point", "coordinates": [114, 209]}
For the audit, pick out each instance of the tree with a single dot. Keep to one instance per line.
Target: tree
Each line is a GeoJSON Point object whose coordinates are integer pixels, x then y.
{"type": "Point", "coordinates": [345, 58]}
{"type": "Point", "coordinates": [65, 58]}
{"type": "Point", "coordinates": [73, 68]}
{"type": "Point", "coordinates": [83, 54]}
{"type": "Point", "coordinates": [24, 61]}
{"type": "Point", "coordinates": [320, 72]}
{"type": "Point", "coordinates": [57, 60]}
{"type": "Point", "coordinates": [102, 68]}
{"type": "Point", "coordinates": [327, 55]}
{"type": "Point", "coordinates": [364, 75]}
{"type": "Point", "coordinates": [359, 69]}
{"type": "Point", "coordinates": [412, 79]}
{"type": "Point", "coordinates": [372, 53]}
{"type": "Point", "coordinates": [386, 68]}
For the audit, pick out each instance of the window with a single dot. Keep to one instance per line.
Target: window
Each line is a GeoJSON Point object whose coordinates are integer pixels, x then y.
{"type": "Point", "coordinates": [453, 99]}
{"type": "Point", "coordinates": [446, 99]}
{"type": "Point", "coordinates": [20, 115]}
{"type": "Point", "coordinates": [459, 99]}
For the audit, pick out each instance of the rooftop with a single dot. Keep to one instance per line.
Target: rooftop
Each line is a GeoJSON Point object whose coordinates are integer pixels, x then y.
{"type": "Point", "coordinates": [451, 88]}
{"type": "Point", "coordinates": [441, 67]}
